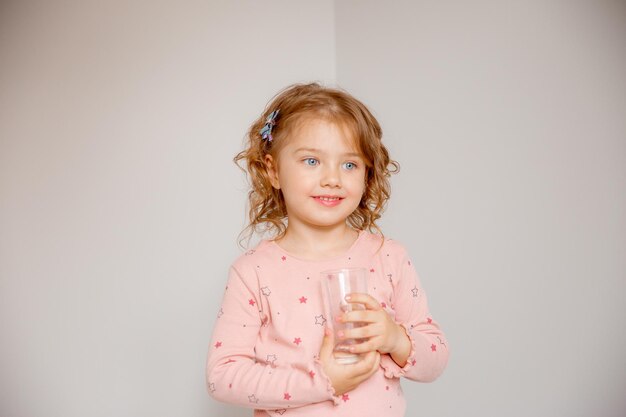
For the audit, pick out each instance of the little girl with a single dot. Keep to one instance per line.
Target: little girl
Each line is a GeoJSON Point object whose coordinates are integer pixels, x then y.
{"type": "Point", "coordinates": [320, 179]}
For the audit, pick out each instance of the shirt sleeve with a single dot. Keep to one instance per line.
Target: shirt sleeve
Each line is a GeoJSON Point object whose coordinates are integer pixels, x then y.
{"type": "Point", "coordinates": [429, 348]}
{"type": "Point", "coordinates": [233, 373]}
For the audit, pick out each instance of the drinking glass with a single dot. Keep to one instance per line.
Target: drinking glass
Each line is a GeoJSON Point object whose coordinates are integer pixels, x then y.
{"type": "Point", "coordinates": [339, 283]}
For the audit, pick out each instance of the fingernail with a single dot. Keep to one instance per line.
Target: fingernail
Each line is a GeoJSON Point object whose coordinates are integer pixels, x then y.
{"type": "Point", "coordinates": [348, 297]}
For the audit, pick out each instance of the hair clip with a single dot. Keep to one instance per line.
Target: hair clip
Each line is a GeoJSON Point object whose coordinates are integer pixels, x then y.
{"type": "Point", "coordinates": [266, 131]}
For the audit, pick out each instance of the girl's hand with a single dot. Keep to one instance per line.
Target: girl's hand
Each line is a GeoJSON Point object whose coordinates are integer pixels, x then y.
{"type": "Point", "coordinates": [380, 330]}
{"type": "Point", "coordinates": [344, 377]}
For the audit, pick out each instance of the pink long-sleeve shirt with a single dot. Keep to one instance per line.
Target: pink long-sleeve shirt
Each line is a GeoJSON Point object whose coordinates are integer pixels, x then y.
{"type": "Point", "coordinates": [269, 329]}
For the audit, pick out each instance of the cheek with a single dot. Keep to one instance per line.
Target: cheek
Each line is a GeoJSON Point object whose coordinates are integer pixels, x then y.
{"type": "Point", "coordinates": [359, 184]}
{"type": "Point", "coordinates": [293, 183]}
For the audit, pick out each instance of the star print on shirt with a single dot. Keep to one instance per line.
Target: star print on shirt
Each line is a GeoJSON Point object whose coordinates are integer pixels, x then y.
{"type": "Point", "coordinates": [212, 387]}
{"type": "Point", "coordinates": [297, 341]}
{"type": "Point", "coordinates": [372, 270]}
{"type": "Point", "coordinates": [303, 300]}
{"type": "Point", "coordinates": [253, 399]}
{"type": "Point", "coordinates": [345, 397]}
{"type": "Point", "coordinates": [320, 320]}
{"type": "Point", "coordinates": [389, 275]}
{"type": "Point", "coordinates": [220, 313]}
{"type": "Point", "coordinates": [311, 374]}
{"type": "Point", "coordinates": [284, 258]}
{"type": "Point", "coordinates": [265, 291]}
{"type": "Point", "coordinates": [414, 290]}
{"type": "Point", "coordinates": [433, 347]}
{"type": "Point", "coordinates": [287, 396]}
{"type": "Point", "coordinates": [281, 411]}
{"type": "Point", "coordinates": [251, 302]}
{"type": "Point", "coordinates": [218, 344]}
{"type": "Point", "coordinates": [271, 359]}
{"type": "Point", "coordinates": [429, 320]}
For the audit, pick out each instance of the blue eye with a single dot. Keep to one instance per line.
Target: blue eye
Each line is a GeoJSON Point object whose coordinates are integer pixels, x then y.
{"type": "Point", "coordinates": [349, 165]}
{"type": "Point", "coordinates": [311, 161]}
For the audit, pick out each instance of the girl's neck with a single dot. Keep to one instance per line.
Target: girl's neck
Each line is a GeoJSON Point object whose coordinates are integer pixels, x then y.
{"type": "Point", "coordinates": [316, 244]}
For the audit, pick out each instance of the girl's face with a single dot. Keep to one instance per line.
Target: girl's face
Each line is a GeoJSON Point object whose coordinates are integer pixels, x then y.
{"type": "Point", "coordinates": [321, 175]}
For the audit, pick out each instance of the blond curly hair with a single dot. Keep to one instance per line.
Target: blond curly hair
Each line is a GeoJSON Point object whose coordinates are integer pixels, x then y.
{"type": "Point", "coordinates": [296, 104]}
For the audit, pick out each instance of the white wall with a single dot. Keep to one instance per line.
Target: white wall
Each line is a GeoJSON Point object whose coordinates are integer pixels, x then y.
{"type": "Point", "coordinates": [509, 121]}
{"type": "Point", "coordinates": [119, 202]}
{"type": "Point", "coordinates": [120, 206]}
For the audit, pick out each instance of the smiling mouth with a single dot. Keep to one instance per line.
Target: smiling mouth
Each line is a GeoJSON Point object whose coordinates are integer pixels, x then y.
{"type": "Point", "coordinates": [328, 201]}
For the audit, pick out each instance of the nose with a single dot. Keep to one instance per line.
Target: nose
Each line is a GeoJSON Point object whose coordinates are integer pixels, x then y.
{"type": "Point", "coordinates": [331, 177]}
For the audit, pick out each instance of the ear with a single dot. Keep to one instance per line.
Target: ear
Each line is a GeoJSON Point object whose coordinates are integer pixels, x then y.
{"type": "Point", "coordinates": [272, 171]}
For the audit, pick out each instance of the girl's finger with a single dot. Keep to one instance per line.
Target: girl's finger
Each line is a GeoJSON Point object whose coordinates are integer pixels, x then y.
{"type": "Point", "coordinates": [365, 347]}
{"type": "Point", "coordinates": [363, 367]}
{"type": "Point", "coordinates": [362, 316]}
{"type": "Point", "coordinates": [372, 363]}
{"type": "Point", "coordinates": [370, 302]}
{"type": "Point", "coordinates": [327, 344]}
{"type": "Point", "coordinates": [361, 332]}
{"type": "Point", "coordinates": [375, 365]}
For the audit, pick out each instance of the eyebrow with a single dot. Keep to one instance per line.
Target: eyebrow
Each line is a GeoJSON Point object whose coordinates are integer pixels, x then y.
{"type": "Point", "coordinates": [314, 150]}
